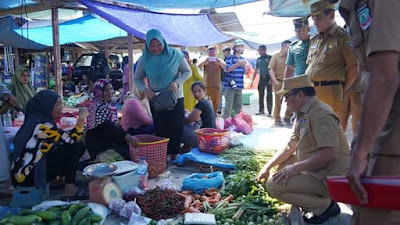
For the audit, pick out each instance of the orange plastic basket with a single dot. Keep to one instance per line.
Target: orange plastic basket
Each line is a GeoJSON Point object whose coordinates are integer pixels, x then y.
{"type": "Point", "coordinates": [154, 149]}
{"type": "Point", "coordinates": [212, 140]}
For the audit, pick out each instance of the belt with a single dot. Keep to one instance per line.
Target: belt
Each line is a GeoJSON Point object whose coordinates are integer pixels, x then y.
{"type": "Point", "coordinates": [328, 83]}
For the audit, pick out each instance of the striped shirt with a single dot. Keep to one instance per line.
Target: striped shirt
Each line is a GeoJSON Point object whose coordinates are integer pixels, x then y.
{"type": "Point", "coordinates": [236, 74]}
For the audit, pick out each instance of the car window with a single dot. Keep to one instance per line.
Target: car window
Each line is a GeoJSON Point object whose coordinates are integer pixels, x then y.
{"type": "Point", "coordinates": [84, 60]}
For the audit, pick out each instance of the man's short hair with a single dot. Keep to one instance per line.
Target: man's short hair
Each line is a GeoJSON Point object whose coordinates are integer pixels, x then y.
{"type": "Point", "coordinates": [263, 46]}
{"type": "Point", "coordinates": [287, 42]}
{"type": "Point", "coordinates": [309, 91]}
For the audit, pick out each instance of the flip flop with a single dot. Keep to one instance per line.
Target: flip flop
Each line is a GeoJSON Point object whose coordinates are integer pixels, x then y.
{"type": "Point", "coordinates": [80, 194]}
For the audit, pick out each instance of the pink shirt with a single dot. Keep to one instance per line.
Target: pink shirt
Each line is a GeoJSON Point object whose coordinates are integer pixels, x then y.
{"type": "Point", "coordinates": [125, 74]}
{"type": "Point", "coordinates": [134, 115]}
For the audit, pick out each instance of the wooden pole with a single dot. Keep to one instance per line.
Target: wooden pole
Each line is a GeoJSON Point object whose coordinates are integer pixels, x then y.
{"type": "Point", "coordinates": [56, 49]}
{"type": "Point", "coordinates": [130, 59]}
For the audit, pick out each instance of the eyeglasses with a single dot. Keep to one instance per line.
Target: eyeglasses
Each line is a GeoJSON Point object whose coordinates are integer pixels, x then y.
{"type": "Point", "coordinates": [211, 49]}
{"type": "Point", "coordinates": [290, 94]}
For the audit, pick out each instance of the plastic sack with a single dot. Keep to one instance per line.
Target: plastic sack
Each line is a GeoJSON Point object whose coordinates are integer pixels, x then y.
{"type": "Point", "coordinates": [241, 125]}
{"type": "Point", "coordinates": [48, 204]}
{"type": "Point", "coordinates": [99, 210]}
{"type": "Point", "coordinates": [138, 220]}
{"type": "Point", "coordinates": [200, 218]}
{"type": "Point", "coordinates": [228, 122]}
{"type": "Point", "coordinates": [116, 205]}
{"type": "Point", "coordinates": [246, 118]}
{"type": "Point", "coordinates": [167, 185]}
{"type": "Point", "coordinates": [200, 181]}
{"type": "Point", "coordinates": [130, 209]}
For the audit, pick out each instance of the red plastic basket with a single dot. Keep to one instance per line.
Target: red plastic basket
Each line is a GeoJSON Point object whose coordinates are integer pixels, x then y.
{"type": "Point", "coordinates": [154, 149]}
{"type": "Point", "coordinates": [212, 140]}
{"type": "Point", "coordinates": [383, 191]}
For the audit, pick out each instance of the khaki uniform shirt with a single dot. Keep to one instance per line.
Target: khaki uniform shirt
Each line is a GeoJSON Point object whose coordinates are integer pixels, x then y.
{"type": "Point", "coordinates": [317, 127]}
{"type": "Point", "coordinates": [375, 38]}
{"type": "Point", "coordinates": [278, 65]}
{"type": "Point", "coordinates": [329, 55]}
{"type": "Point", "coordinates": [212, 74]}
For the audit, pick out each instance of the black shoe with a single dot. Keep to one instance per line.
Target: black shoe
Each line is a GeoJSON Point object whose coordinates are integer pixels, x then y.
{"type": "Point", "coordinates": [332, 211]}
{"type": "Point", "coordinates": [269, 115]}
{"type": "Point", "coordinates": [260, 113]}
{"type": "Point", "coordinates": [278, 123]}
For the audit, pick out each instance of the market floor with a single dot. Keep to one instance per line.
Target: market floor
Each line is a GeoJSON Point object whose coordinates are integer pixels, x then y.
{"type": "Point", "coordinates": [175, 174]}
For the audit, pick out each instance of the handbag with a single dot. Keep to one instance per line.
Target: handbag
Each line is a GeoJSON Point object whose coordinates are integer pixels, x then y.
{"type": "Point", "coordinates": [165, 100]}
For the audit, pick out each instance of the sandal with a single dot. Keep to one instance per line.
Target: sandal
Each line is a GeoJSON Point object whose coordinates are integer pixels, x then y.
{"type": "Point", "coordinates": [80, 194]}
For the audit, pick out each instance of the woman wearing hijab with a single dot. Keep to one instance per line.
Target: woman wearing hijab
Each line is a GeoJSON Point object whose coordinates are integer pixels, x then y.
{"type": "Point", "coordinates": [165, 68]}
{"type": "Point", "coordinates": [42, 151]}
{"type": "Point", "coordinates": [104, 131]}
{"type": "Point", "coordinates": [21, 87]}
{"type": "Point", "coordinates": [136, 115]}
{"type": "Point", "coordinates": [190, 102]}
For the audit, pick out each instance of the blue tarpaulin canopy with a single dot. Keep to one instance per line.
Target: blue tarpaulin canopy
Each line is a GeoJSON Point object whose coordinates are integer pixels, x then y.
{"type": "Point", "coordinates": [156, 5]}
{"type": "Point", "coordinates": [177, 29]}
{"type": "Point", "coordinates": [84, 29]}
{"type": "Point", "coordinates": [10, 4]}
{"type": "Point", "coordinates": [290, 8]}
{"type": "Point", "coordinates": [9, 37]}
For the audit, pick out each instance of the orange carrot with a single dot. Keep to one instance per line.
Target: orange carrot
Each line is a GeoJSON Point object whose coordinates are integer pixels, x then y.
{"type": "Point", "coordinates": [196, 196]}
{"type": "Point", "coordinates": [204, 198]}
{"type": "Point", "coordinates": [188, 201]}
{"type": "Point", "coordinates": [207, 192]}
{"type": "Point", "coordinates": [213, 189]}
{"type": "Point", "coordinates": [218, 197]}
{"type": "Point", "coordinates": [191, 210]}
{"type": "Point", "coordinates": [188, 192]}
{"type": "Point", "coordinates": [229, 198]}
{"type": "Point", "coordinates": [212, 201]}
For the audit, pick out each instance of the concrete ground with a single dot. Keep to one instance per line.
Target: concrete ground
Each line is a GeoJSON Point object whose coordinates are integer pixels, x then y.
{"type": "Point", "coordinates": [176, 174]}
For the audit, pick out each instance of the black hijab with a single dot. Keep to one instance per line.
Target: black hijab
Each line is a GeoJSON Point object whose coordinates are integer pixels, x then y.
{"type": "Point", "coordinates": [38, 110]}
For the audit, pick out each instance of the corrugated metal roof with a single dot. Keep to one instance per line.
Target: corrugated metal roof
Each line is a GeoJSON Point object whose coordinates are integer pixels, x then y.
{"type": "Point", "coordinates": [227, 22]}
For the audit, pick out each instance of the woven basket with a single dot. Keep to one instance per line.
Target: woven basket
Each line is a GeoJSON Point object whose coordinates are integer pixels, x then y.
{"type": "Point", "coordinates": [212, 140]}
{"type": "Point", "coordinates": [154, 149]}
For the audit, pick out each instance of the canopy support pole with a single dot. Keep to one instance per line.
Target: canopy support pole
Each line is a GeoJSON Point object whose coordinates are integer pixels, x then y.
{"type": "Point", "coordinates": [56, 49]}
{"type": "Point", "coordinates": [130, 59]}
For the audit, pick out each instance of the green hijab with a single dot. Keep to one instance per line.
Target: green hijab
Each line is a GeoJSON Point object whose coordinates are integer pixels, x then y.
{"type": "Point", "coordinates": [22, 92]}
{"type": "Point", "coordinates": [161, 69]}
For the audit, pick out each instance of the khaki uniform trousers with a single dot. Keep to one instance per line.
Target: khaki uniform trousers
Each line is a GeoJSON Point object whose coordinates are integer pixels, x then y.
{"type": "Point", "coordinates": [351, 106]}
{"type": "Point", "coordinates": [331, 95]}
{"type": "Point", "coordinates": [385, 165]}
{"type": "Point", "coordinates": [215, 94]}
{"type": "Point", "coordinates": [278, 105]}
{"type": "Point", "coordinates": [301, 190]}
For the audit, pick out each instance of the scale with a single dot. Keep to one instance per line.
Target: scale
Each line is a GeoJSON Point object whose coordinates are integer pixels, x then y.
{"type": "Point", "coordinates": [102, 189]}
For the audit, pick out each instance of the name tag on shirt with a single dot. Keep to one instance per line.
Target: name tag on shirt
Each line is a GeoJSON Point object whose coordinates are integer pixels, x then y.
{"type": "Point", "coordinates": [313, 46]}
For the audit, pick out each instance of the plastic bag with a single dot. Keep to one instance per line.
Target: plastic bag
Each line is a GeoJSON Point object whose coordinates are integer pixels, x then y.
{"type": "Point", "coordinates": [241, 125]}
{"type": "Point", "coordinates": [200, 218]}
{"type": "Point", "coordinates": [247, 118]}
{"type": "Point", "coordinates": [116, 205]}
{"type": "Point", "coordinates": [138, 220]}
{"type": "Point", "coordinates": [220, 123]}
{"type": "Point", "coordinates": [228, 123]}
{"type": "Point", "coordinates": [99, 210]}
{"type": "Point", "coordinates": [200, 181]}
{"type": "Point", "coordinates": [167, 185]}
{"type": "Point", "coordinates": [48, 204]}
{"type": "Point", "coordinates": [129, 209]}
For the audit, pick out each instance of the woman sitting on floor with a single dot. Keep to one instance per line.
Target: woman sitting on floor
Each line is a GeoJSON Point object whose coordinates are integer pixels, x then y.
{"type": "Point", "coordinates": [203, 110]}
{"type": "Point", "coordinates": [42, 151]}
{"type": "Point", "coordinates": [136, 115]}
{"type": "Point", "coordinates": [104, 131]}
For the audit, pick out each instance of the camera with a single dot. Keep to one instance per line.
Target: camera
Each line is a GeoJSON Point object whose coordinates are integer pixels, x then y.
{"type": "Point", "coordinates": [233, 84]}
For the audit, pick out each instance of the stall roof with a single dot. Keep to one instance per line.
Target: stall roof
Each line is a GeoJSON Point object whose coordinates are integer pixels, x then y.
{"type": "Point", "coordinates": [9, 37]}
{"type": "Point", "coordinates": [10, 4]}
{"type": "Point", "coordinates": [290, 8]}
{"type": "Point", "coordinates": [177, 29]}
{"type": "Point", "coordinates": [89, 28]}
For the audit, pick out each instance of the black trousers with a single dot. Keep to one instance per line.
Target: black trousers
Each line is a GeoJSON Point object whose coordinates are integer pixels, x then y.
{"type": "Point", "coordinates": [169, 124]}
{"type": "Point", "coordinates": [262, 84]}
{"type": "Point", "coordinates": [60, 161]}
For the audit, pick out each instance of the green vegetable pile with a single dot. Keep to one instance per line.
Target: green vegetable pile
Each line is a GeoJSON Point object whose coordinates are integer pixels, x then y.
{"type": "Point", "coordinates": [74, 214]}
{"type": "Point", "coordinates": [252, 204]}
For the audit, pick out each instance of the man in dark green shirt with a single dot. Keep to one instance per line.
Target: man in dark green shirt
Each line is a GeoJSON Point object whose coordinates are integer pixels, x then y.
{"type": "Point", "coordinates": [262, 68]}
{"type": "Point", "coordinates": [298, 51]}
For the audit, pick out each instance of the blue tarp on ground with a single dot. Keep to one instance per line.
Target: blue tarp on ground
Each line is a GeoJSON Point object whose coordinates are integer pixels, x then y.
{"type": "Point", "coordinates": [290, 8]}
{"type": "Point", "coordinates": [156, 5]}
{"type": "Point", "coordinates": [177, 29]}
{"type": "Point", "coordinates": [9, 37]}
{"type": "Point", "coordinates": [85, 29]}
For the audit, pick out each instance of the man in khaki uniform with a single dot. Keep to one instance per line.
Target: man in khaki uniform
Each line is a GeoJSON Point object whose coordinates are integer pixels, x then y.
{"type": "Point", "coordinates": [321, 150]}
{"type": "Point", "coordinates": [276, 69]}
{"type": "Point", "coordinates": [332, 64]}
{"type": "Point", "coordinates": [375, 36]}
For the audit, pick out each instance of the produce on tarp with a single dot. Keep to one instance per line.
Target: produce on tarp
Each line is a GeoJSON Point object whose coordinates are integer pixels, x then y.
{"type": "Point", "coordinates": [81, 99]}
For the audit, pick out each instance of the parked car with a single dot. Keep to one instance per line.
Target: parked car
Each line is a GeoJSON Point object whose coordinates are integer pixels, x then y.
{"type": "Point", "coordinates": [96, 66]}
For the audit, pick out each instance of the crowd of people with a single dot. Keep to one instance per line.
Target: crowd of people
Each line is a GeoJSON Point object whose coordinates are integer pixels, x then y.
{"type": "Point", "coordinates": [319, 77]}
